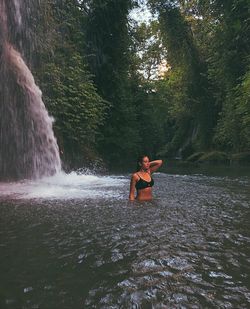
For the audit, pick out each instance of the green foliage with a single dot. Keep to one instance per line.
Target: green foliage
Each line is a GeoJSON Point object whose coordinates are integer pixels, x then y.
{"type": "Point", "coordinates": [228, 69]}
{"type": "Point", "coordinates": [233, 129]}
{"type": "Point", "coordinates": [208, 48]}
{"type": "Point", "coordinates": [109, 60]}
{"type": "Point", "coordinates": [68, 89]}
{"type": "Point", "coordinates": [178, 93]}
{"type": "Point", "coordinates": [192, 104]}
{"type": "Point", "coordinates": [150, 95]}
{"type": "Point", "coordinates": [149, 50]}
{"type": "Point", "coordinates": [72, 97]}
{"type": "Point", "coordinates": [243, 109]}
{"type": "Point", "coordinates": [99, 73]}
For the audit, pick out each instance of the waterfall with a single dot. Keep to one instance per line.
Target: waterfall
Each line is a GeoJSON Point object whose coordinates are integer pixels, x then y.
{"type": "Point", "coordinates": [28, 148]}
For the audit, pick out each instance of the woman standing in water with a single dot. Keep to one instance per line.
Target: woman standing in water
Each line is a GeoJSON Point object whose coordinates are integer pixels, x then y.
{"type": "Point", "coordinates": [142, 181]}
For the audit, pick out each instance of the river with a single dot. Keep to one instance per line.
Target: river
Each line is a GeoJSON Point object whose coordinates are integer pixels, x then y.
{"type": "Point", "coordinates": [75, 241]}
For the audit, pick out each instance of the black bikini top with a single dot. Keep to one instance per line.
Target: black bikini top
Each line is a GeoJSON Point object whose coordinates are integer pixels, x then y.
{"type": "Point", "coordinates": [142, 184]}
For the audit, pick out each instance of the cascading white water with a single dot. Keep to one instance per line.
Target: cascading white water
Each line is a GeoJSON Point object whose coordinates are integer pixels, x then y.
{"type": "Point", "coordinates": [18, 16]}
{"type": "Point", "coordinates": [28, 148]}
{"type": "Point", "coordinates": [63, 186]}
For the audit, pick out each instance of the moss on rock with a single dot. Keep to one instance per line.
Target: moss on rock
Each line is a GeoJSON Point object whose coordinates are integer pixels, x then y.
{"type": "Point", "coordinates": [195, 157]}
{"type": "Point", "coordinates": [215, 157]}
{"type": "Point", "coordinates": [241, 158]}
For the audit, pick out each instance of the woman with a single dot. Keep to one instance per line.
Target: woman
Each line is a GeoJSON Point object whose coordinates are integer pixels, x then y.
{"type": "Point", "coordinates": [142, 180]}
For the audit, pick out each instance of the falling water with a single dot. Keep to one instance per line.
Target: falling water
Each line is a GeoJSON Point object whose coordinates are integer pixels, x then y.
{"type": "Point", "coordinates": [28, 148]}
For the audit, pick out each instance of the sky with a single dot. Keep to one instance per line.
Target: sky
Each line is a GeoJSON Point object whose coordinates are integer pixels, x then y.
{"type": "Point", "coordinates": [142, 13]}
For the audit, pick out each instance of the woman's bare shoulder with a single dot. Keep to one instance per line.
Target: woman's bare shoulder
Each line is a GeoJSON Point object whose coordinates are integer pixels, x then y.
{"type": "Point", "coordinates": [135, 176]}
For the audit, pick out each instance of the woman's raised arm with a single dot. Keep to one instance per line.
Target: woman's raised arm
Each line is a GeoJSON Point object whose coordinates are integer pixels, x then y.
{"type": "Point", "coordinates": [154, 165]}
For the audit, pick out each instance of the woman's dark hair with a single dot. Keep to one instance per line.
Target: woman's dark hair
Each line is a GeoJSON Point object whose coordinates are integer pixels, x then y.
{"type": "Point", "coordinates": [139, 161]}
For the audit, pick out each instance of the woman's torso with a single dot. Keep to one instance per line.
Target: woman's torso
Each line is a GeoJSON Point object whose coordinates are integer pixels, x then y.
{"type": "Point", "coordinates": [144, 186]}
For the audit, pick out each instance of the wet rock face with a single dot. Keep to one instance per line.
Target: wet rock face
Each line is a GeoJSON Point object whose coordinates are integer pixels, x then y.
{"type": "Point", "coordinates": [28, 148]}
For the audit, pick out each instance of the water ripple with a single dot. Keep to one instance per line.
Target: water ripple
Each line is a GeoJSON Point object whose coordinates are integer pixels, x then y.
{"type": "Point", "coordinates": [188, 248]}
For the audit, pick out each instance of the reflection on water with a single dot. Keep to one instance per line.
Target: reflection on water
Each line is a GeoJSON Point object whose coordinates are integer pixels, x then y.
{"type": "Point", "coordinates": [76, 242]}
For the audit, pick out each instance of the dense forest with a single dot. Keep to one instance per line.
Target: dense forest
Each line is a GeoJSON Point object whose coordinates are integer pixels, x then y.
{"type": "Point", "coordinates": [176, 85]}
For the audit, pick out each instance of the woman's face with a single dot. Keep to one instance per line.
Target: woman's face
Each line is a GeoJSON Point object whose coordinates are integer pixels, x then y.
{"type": "Point", "coordinates": [145, 163]}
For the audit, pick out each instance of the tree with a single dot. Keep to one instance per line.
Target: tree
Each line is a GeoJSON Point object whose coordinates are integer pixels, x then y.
{"type": "Point", "coordinates": [193, 108]}
{"type": "Point", "coordinates": [109, 59]}
{"type": "Point", "coordinates": [228, 67]}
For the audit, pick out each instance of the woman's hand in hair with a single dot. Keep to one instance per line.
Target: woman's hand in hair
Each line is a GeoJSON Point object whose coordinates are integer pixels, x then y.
{"type": "Point", "coordinates": [154, 165]}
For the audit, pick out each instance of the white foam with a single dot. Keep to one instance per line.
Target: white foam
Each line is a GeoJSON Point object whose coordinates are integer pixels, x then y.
{"type": "Point", "coordinates": [65, 186]}
{"type": "Point", "coordinates": [18, 16]}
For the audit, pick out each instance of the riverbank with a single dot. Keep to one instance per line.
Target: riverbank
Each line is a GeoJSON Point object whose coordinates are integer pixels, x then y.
{"type": "Point", "coordinates": [209, 169]}
{"type": "Point", "coordinates": [209, 164]}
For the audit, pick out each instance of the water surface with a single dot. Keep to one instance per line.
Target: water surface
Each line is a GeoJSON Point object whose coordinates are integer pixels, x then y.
{"type": "Point", "coordinates": [74, 241]}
